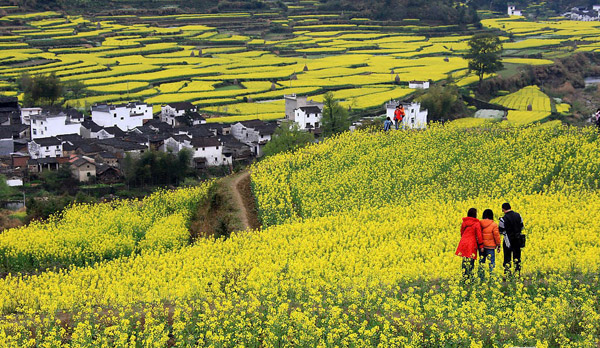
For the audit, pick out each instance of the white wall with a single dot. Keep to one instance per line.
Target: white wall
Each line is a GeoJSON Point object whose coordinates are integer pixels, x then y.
{"type": "Point", "coordinates": [302, 119]}
{"type": "Point", "coordinates": [123, 117]}
{"type": "Point", "coordinates": [418, 84]}
{"type": "Point", "coordinates": [27, 112]}
{"type": "Point", "coordinates": [36, 151]}
{"type": "Point", "coordinates": [52, 126]}
{"type": "Point", "coordinates": [213, 154]}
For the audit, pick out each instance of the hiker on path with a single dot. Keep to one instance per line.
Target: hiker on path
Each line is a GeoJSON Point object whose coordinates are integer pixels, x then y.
{"type": "Point", "coordinates": [471, 241]}
{"type": "Point", "coordinates": [491, 239]}
{"type": "Point", "coordinates": [399, 115]}
{"type": "Point", "coordinates": [511, 226]}
{"type": "Point", "coordinates": [597, 118]}
{"type": "Point", "coordinates": [387, 125]}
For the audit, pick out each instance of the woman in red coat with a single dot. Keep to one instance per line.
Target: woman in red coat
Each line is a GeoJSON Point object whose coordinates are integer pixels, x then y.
{"type": "Point", "coordinates": [471, 241]}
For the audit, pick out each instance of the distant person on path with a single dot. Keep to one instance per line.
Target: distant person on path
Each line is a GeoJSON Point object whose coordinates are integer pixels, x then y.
{"type": "Point", "coordinates": [491, 239]}
{"type": "Point", "coordinates": [471, 241]}
{"type": "Point", "coordinates": [511, 226]}
{"type": "Point", "coordinates": [597, 116]}
{"type": "Point", "coordinates": [399, 115]}
{"type": "Point", "coordinates": [387, 125]}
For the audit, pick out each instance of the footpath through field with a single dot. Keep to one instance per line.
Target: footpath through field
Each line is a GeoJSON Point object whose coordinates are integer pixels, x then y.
{"type": "Point", "coordinates": [239, 186]}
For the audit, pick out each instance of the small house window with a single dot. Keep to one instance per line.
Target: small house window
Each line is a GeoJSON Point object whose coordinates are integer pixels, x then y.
{"type": "Point", "coordinates": [203, 148]}
{"type": "Point", "coordinates": [115, 114]}
{"type": "Point", "coordinates": [307, 124]}
{"type": "Point", "coordinates": [33, 121]}
{"type": "Point", "coordinates": [217, 147]}
{"type": "Point", "coordinates": [34, 131]}
{"type": "Point", "coordinates": [89, 174]}
{"type": "Point", "coordinates": [122, 118]}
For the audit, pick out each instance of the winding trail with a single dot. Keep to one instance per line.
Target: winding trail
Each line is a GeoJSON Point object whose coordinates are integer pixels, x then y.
{"type": "Point", "coordinates": [239, 186]}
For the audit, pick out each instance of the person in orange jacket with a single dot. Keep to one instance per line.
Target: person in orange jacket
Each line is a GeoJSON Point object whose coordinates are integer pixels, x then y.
{"type": "Point", "coordinates": [491, 239]}
{"type": "Point", "coordinates": [471, 241]}
{"type": "Point", "coordinates": [399, 115]}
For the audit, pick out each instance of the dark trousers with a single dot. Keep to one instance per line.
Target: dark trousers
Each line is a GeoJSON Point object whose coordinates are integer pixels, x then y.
{"type": "Point", "coordinates": [512, 254]}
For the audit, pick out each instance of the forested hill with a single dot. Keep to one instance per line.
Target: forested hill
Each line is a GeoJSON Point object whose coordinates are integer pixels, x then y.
{"type": "Point", "coordinates": [444, 11]}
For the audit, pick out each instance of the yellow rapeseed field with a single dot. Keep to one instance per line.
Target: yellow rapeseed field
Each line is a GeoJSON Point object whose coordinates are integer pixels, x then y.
{"type": "Point", "coordinates": [358, 251]}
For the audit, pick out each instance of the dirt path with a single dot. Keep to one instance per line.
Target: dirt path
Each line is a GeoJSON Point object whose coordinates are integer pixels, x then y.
{"type": "Point", "coordinates": [243, 199]}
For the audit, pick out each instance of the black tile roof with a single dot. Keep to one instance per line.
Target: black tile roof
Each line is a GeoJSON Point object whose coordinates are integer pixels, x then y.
{"type": "Point", "coordinates": [205, 142]}
{"type": "Point", "coordinates": [50, 141]}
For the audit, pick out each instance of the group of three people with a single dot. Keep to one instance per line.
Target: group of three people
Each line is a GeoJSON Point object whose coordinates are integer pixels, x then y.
{"type": "Point", "coordinates": [399, 115]}
{"type": "Point", "coordinates": [484, 236]}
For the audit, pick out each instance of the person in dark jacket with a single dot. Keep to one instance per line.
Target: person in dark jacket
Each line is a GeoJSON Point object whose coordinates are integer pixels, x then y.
{"type": "Point", "coordinates": [471, 241]}
{"type": "Point", "coordinates": [511, 226]}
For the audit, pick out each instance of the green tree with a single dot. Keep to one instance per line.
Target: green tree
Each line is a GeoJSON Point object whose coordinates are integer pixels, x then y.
{"type": "Point", "coordinates": [484, 54]}
{"type": "Point", "coordinates": [5, 190]}
{"type": "Point", "coordinates": [443, 102]}
{"type": "Point", "coordinates": [40, 89]}
{"type": "Point", "coordinates": [59, 181]}
{"type": "Point", "coordinates": [335, 118]}
{"type": "Point", "coordinates": [286, 138]}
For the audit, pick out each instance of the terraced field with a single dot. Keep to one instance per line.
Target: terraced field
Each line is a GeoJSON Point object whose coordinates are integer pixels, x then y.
{"type": "Point", "coordinates": [190, 57]}
{"type": "Point", "coordinates": [528, 105]}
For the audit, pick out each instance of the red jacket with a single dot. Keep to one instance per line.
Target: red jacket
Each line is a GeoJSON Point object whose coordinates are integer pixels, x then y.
{"type": "Point", "coordinates": [471, 239]}
{"type": "Point", "coordinates": [399, 114]}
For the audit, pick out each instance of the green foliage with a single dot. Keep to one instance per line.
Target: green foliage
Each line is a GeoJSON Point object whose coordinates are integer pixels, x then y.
{"type": "Point", "coordinates": [59, 181]}
{"type": "Point", "coordinates": [286, 138]}
{"type": "Point", "coordinates": [335, 118]}
{"type": "Point", "coordinates": [157, 168]}
{"type": "Point", "coordinates": [443, 102]}
{"type": "Point", "coordinates": [484, 54]}
{"type": "Point", "coordinates": [40, 89]}
{"type": "Point", "coordinates": [5, 190]}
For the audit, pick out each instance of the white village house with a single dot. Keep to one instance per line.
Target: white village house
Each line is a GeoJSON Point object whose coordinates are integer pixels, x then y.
{"type": "Point", "coordinates": [171, 111]}
{"type": "Point", "coordinates": [27, 112]}
{"type": "Point", "coordinates": [254, 133]}
{"type": "Point", "coordinates": [415, 117]}
{"type": "Point", "coordinates": [583, 14]}
{"type": "Point", "coordinates": [418, 84]}
{"type": "Point", "coordinates": [208, 151]}
{"type": "Point", "coordinates": [308, 117]}
{"type": "Point", "coordinates": [293, 102]}
{"type": "Point", "coordinates": [52, 124]}
{"type": "Point", "coordinates": [124, 116]}
{"type": "Point", "coordinates": [512, 11]}
{"type": "Point", "coordinates": [45, 148]}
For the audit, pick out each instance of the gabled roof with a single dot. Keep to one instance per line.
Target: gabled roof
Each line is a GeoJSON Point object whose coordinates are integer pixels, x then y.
{"type": "Point", "coordinates": [79, 161]}
{"type": "Point", "coordinates": [312, 109]}
{"type": "Point", "coordinates": [121, 144]}
{"type": "Point", "coordinates": [200, 131]}
{"type": "Point", "coordinates": [206, 142]}
{"type": "Point", "coordinates": [252, 123]}
{"type": "Point", "coordinates": [114, 130]}
{"type": "Point", "coordinates": [72, 138]}
{"type": "Point", "coordinates": [89, 147]}
{"type": "Point", "coordinates": [91, 125]}
{"type": "Point", "coordinates": [106, 154]}
{"type": "Point", "coordinates": [50, 141]}
{"type": "Point", "coordinates": [182, 106]}
{"type": "Point", "coordinates": [102, 168]}
{"type": "Point", "coordinates": [181, 138]}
